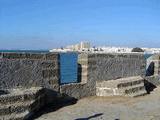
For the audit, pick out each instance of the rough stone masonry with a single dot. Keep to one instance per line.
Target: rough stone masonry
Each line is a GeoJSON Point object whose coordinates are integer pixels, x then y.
{"type": "Point", "coordinates": [104, 67]}
{"type": "Point", "coordinates": [29, 70]}
{"type": "Point", "coordinates": [42, 70]}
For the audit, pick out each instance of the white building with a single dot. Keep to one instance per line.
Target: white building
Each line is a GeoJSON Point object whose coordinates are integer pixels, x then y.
{"type": "Point", "coordinates": [84, 45]}
{"type": "Point", "coordinates": [79, 47]}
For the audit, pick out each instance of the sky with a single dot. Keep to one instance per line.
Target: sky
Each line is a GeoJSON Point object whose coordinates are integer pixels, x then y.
{"type": "Point", "coordinates": [47, 24]}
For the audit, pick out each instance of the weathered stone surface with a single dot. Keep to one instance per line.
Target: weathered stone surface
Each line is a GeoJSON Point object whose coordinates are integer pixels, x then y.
{"type": "Point", "coordinates": [76, 90]}
{"type": "Point", "coordinates": [49, 64]}
{"type": "Point", "coordinates": [130, 86]}
{"type": "Point", "coordinates": [115, 67]}
{"type": "Point", "coordinates": [154, 61]}
{"type": "Point", "coordinates": [21, 103]}
{"type": "Point", "coordinates": [104, 67]}
{"type": "Point", "coordinates": [52, 56]}
{"type": "Point", "coordinates": [27, 70]}
{"type": "Point", "coordinates": [154, 80]}
{"type": "Point", "coordinates": [47, 56]}
{"type": "Point", "coordinates": [19, 95]}
{"type": "Point", "coordinates": [13, 55]}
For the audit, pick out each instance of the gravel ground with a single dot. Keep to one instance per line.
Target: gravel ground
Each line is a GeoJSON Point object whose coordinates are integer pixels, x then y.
{"type": "Point", "coordinates": [110, 108]}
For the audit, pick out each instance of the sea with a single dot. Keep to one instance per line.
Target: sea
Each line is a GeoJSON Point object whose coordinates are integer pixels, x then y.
{"type": "Point", "coordinates": [146, 56]}
{"type": "Point", "coordinates": [68, 64]}
{"type": "Point", "coordinates": [68, 67]}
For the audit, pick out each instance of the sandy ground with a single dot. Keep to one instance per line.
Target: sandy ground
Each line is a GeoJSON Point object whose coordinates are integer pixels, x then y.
{"type": "Point", "coordinates": [110, 108]}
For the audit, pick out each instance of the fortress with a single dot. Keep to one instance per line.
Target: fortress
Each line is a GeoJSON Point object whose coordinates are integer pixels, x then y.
{"type": "Point", "coordinates": [31, 81]}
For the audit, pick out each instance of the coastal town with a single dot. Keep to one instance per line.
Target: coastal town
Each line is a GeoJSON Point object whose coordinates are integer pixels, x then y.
{"type": "Point", "coordinates": [86, 47]}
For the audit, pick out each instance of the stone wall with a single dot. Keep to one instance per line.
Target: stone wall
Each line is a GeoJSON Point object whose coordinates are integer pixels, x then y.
{"type": "Point", "coordinates": [83, 68]}
{"type": "Point", "coordinates": [153, 71]}
{"type": "Point", "coordinates": [113, 66]}
{"type": "Point", "coordinates": [102, 67]}
{"type": "Point", "coordinates": [154, 80]}
{"type": "Point", "coordinates": [34, 70]}
{"type": "Point", "coordinates": [76, 90]}
{"type": "Point", "coordinates": [29, 70]}
{"type": "Point", "coordinates": [154, 61]}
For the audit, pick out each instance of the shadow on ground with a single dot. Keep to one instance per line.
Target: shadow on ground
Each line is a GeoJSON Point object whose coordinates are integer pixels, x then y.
{"type": "Point", "coordinates": [57, 103]}
{"type": "Point", "coordinates": [90, 117]}
{"type": "Point", "coordinates": [149, 86]}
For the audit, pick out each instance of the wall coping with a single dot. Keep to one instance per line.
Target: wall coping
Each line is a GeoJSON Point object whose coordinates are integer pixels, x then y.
{"type": "Point", "coordinates": [44, 56]}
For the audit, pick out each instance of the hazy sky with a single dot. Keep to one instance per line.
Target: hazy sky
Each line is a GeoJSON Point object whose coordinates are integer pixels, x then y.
{"type": "Point", "coordinates": [45, 24]}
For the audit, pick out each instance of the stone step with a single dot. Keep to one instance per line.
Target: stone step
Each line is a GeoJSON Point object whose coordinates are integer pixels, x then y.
{"type": "Point", "coordinates": [122, 82]}
{"type": "Point", "coordinates": [133, 89]}
{"type": "Point", "coordinates": [130, 86]}
{"type": "Point", "coordinates": [17, 95]}
{"type": "Point", "coordinates": [137, 94]}
{"type": "Point", "coordinates": [104, 91]}
{"type": "Point", "coordinates": [22, 106]}
{"type": "Point", "coordinates": [14, 116]}
{"type": "Point", "coordinates": [15, 108]}
{"type": "Point", "coordinates": [130, 83]}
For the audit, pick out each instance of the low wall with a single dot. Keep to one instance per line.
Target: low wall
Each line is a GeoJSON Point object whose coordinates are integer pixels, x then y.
{"type": "Point", "coordinates": [113, 66]}
{"type": "Point", "coordinates": [76, 90]}
{"type": "Point", "coordinates": [102, 67]}
{"type": "Point", "coordinates": [153, 72]}
{"type": "Point", "coordinates": [29, 70]}
{"type": "Point", "coordinates": [154, 61]}
{"type": "Point", "coordinates": [154, 80]}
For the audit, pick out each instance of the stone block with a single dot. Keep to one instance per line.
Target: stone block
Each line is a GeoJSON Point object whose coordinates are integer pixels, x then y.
{"type": "Point", "coordinates": [49, 64]}
{"type": "Point", "coordinates": [35, 56]}
{"type": "Point", "coordinates": [49, 73]}
{"type": "Point", "coordinates": [76, 90]}
{"type": "Point", "coordinates": [122, 87]}
{"type": "Point", "coordinates": [14, 55]}
{"type": "Point", "coordinates": [52, 56]}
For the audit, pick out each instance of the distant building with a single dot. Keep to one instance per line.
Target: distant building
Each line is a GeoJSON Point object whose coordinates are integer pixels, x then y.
{"type": "Point", "coordinates": [84, 45]}
{"type": "Point", "coordinates": [79, 47]}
